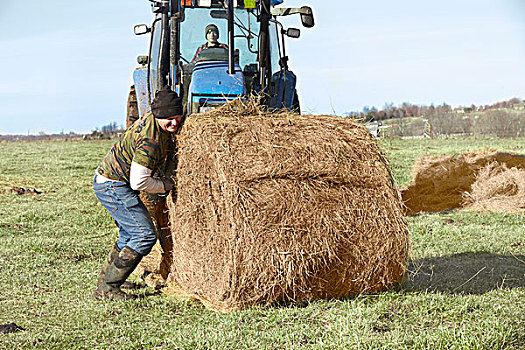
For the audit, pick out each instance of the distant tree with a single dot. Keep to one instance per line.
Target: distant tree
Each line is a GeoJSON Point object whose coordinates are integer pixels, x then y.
{"type": "Point", "coordinates": [499, 123]}
{"type": "Point", "coordinates": [388, 106]}
{"type": "Point", "coordinates": [514, 101]}
{"type": "Point", "coordinates": [110, 128]}
{"type": "Point", "coordinates": [445, 121]}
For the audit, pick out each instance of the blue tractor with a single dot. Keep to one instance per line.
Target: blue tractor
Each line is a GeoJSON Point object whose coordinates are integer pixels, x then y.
{"type": "Point", "coordinates": [252, 61]}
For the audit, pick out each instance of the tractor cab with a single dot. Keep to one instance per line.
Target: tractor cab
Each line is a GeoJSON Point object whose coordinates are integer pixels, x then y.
{"type": "Point", "coordinates": [249, 58]}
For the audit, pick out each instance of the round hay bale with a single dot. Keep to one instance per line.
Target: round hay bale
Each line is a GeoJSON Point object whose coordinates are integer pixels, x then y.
{"type": "Point", "coordinates": [441, 181]}
{"type": "Point", "coordinates": [282, 207]}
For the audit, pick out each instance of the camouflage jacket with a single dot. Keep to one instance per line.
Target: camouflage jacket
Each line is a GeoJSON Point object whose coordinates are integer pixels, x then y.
{"type": "Point", "coordinates": [144, 143]}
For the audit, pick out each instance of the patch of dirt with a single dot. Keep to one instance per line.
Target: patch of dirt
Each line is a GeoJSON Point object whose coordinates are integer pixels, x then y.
{"type": "Point", "coordinates": [381, 328]}
{"type": "Point", "coordinates": [10, 328]}
{"type": "Point", "coordinates": [22, 190]}
{"type": "Point", "coordinates": [13, 226]}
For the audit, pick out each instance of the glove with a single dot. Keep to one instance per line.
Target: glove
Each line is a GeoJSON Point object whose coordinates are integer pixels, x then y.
{"type": "Point", "coordinates": [168, 184]}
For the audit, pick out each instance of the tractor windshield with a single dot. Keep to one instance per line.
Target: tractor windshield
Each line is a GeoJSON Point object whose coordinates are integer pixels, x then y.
{"type": "Point", "coordinates": [193, 37]}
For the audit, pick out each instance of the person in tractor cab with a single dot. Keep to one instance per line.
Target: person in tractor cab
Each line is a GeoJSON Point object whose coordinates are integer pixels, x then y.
{"type": "Point", "coordinates": [126, 170]}
{"type": "Point", "coordinates": [211, 32]}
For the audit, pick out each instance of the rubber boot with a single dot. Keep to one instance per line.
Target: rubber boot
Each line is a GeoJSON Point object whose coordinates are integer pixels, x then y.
{"type": "Point", "coordinates": [112, 255]}
{"type": "Point", "coordinates": [119, 270]}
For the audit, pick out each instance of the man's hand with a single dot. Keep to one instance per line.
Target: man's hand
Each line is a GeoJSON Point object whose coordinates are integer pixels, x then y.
{"type": "Point", "coordinates": [168, 184]}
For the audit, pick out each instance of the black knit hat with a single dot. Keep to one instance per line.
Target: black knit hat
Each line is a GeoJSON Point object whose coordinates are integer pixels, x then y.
{"type": "Point", "coordinates": [166, 104]}
{"type": "Point", "coordinates": [211, 27]}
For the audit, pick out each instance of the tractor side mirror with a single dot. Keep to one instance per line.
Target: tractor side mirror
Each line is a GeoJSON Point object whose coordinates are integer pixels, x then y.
{"type": "Point", "coordinates": [292, 33]}
{"type": "Point", "coordinates": [143, 60]}
{"type": "Point", "coordinates": [307, 17]}
{"type": "Point", "coordinates": [218, 14]}
{"type": "Point", "coordinates": [140, 29]}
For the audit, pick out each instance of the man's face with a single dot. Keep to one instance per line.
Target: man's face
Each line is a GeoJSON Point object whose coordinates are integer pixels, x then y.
{"type": "Point", "coordinates": [212, 36]}
{"type": "Point", "coordinates": [170, 124]}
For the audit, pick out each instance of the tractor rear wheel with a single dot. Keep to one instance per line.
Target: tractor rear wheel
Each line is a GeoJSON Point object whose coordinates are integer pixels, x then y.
{"type": "Point", "coordinates": [132, 109]}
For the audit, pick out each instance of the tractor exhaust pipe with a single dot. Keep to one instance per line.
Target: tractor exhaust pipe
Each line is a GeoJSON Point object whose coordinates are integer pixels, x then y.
{"type": "Point", "coordinates": [164, 55]}
{"type": "Point", "coordinates": [231, 48]}
{"type": "Point", "coordinates": [175, 14]}
{"type": "Point", "coordinates": [264, 52]}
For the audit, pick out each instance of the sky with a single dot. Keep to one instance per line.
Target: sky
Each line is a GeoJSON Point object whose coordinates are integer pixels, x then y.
{"type": "Point", "coordinates": [67, 65]}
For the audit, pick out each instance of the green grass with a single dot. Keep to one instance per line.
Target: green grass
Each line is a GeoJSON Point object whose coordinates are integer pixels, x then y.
{"type": "Point", "coordinates": [466, 288]}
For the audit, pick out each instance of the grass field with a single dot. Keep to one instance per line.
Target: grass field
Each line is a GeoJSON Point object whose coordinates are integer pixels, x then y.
{"type": "Point", "coordinates": [465, 289]}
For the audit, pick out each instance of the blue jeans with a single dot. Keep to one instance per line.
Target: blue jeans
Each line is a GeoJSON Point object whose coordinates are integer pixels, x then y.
{"type": "Point", "coordinates": [133, 220]}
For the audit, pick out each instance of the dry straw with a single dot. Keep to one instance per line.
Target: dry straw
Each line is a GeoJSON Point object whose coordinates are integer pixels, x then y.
{"type": "Point", "coordinates": [279, 206]}
{"type": "Point", "coordinates": [445, 182]}
{"type": "Point", "coordinates": [497, 188]}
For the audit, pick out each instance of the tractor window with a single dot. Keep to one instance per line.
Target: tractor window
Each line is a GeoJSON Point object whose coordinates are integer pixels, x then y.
{"type": "Point", "coordinates": [154, 54]}
{"type": "Point", "coordinates": [193, 36]}
{"type": "Point", "coordinates": [275, 49]}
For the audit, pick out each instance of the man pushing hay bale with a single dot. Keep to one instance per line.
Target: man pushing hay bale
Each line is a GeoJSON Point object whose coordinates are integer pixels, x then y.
{"type": "Point", "coordinates": [282, 207]}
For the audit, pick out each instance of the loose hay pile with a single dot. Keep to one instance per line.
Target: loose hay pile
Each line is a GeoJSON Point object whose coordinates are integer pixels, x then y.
{"type": "Point", "coordinates": [282, 207]}
{"type": "Point", "coordinates": [498, 188]}
{"type": "Point", "coordinates": [488, 180]}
